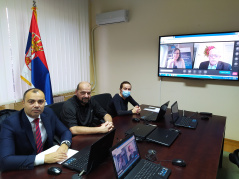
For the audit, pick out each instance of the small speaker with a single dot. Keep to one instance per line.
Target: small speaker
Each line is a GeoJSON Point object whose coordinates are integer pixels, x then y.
{"type": "Point", "coordinates": [151, 155]}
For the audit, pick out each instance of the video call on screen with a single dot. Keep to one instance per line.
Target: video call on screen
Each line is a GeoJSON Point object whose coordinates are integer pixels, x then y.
{"type": "Point", "coordinates": [209, 56]}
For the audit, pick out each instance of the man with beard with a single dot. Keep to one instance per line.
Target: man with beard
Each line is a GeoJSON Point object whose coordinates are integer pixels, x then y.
{"type": "Point", "coordinates": [78, 113]}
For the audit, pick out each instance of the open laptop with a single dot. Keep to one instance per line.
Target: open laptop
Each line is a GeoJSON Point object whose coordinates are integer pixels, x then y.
{"type": "Point", "coordinates": [141, 131]}
{"type": "Point", "coordinates": [128, 163]}
{"type": "Point", "coordinates": [162, 136]}
{"type": "Point", "coordinates": [153, 116]}
{"type": "Point", "coordinates": [182, 121]}
{"type": "Point", "coordinates": [91, 156]}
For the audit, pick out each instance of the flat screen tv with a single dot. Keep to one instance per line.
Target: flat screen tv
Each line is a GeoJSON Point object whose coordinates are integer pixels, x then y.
{"type": "Point", "coordinates": [200, 56]}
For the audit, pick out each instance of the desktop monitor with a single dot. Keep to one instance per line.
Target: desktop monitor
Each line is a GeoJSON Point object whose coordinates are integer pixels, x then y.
{"type": "Point", "coordinates": [199, 56]}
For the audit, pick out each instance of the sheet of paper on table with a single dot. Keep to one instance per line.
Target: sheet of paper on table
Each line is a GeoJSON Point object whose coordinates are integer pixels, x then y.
{"type": "Point", "coordinates": [153, 109]}
{"type": "Point", "coordinates": [55, 147]}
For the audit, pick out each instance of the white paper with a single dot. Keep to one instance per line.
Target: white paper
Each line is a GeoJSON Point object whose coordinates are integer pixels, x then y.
{"type": "Point", "coordinates": [55, 147]}
{"type": "Point", "coordinates": [153, 109]}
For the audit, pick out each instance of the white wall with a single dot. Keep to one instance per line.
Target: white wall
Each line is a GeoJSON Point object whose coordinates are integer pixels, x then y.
{"type": "Point", "coordinates": [129, 51]}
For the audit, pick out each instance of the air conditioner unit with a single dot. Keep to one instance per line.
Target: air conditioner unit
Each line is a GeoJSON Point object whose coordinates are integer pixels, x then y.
{"type": "Point", "coordinates": [112, 17]}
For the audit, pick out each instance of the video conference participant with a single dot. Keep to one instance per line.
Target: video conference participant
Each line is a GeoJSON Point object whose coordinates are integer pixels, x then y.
{"type": "Point", "coordinates": [214, 62]}
{"type": "Point", "coordinates": [177, 61]}
{"type": "Point", "coordinates": [119, 104]}
{"type": "Point", "coordinates": [121, 162]}
{"type": "Point", "coordinates": [78, 112]}
{"type": "Point", "coordinates": [26, 133]}
{"type": "Point", "coordinates": [132, 152]}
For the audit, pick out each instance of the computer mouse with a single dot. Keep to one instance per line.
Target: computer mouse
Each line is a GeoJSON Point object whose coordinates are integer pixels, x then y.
{"type": "Point", "coordinates": [136, 119]}
{"type": "Point", "coordinates": [179, 162]}
{"type": "Point", "coordinates": [54, 171]}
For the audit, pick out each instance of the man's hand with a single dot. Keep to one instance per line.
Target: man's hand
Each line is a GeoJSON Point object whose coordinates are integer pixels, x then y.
{"type": "Point", "coordinates": [58, 156]}
{"type": "Point", "coordinates": [136, 110]}
{"type": "Point", "coordinates": [106, 127]}
{"type": "Point", "coordinates": [63, 148]}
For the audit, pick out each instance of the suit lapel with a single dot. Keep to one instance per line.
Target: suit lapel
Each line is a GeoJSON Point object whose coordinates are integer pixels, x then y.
{"type": "Point", "coordinates": [47, 124]}
{"type": "Point", "coordinates": [27, 127]}
{"type": "Point", "coordinates": [219, 65]}
{"type": "Point", "coordinates": [206, 65]}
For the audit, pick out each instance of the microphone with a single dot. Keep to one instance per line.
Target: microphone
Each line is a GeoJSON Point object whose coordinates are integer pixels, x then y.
{"type": "Point", "coordinates": [78, 175]}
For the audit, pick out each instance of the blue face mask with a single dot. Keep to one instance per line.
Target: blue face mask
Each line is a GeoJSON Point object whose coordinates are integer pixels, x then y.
{"type": "Point", "coordinates": [126, 94]}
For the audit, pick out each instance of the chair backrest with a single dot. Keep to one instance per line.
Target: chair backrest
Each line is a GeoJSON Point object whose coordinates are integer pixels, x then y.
{"type": "Point", "coordinates": [4, 114]}
{"type": "Point", "coordinates": [234, 157]}
{"type": "Point", "coordinates": [56, 107]}
{"type": "Point", "coordinates": [103, 99]}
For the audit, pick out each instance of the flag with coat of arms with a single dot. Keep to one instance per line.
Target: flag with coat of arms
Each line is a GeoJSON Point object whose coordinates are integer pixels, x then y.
{"type": "Point", "coordinates": [35, 71]}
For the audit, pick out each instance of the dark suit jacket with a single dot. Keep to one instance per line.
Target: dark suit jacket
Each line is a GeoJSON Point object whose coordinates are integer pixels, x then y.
{"type": "Point", "coordinates": [17, 144]}
{"type": "Point", "coordinates": [220, 65]}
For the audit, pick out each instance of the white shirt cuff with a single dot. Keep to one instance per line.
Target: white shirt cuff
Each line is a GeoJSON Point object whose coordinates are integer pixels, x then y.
{"type": "Point", "coordinates": [39, 160]}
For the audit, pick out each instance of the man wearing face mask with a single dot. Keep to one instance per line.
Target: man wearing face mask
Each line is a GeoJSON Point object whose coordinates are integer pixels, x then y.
{"type": "Point", "coordinates": [78, 113]}
{"type": "Point", "coordinates": [119, 103]}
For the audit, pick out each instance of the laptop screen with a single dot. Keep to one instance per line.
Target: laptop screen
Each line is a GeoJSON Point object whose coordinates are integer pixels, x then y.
{"type": "Point", "coordinates": [125, 156]}
{"type": "Point", "coordinates": [164, 106]}
{"type": "Point", "coordinates": [174, 111]}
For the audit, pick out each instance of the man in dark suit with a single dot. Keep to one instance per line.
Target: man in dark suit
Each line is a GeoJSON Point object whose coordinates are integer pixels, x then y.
{"type": "Point", "coordinates": [20, 147]}
{"type": "Point", "coordinates": [220, 65]}
{"type": "Point", "coordinates": [214, 63]}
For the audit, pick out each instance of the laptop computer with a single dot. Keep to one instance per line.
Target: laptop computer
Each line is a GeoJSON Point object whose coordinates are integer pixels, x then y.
{"type": "Point", "coordinates": [153, 116]}
{"type": "Point", "coordinates": [128, 163]}
{"type": "Point", "coordinates": [182, 121]}
{"type": "Point", "coordinates": [162, 136]}
{"type": "Point", "coordinates": [141, 131]}
{"type": "Point", "coordinates": [91, 156]}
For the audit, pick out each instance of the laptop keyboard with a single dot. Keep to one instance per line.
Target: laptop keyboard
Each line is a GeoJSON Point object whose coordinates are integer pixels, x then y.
{"type": "Point", "coordinates": [147, 171]}
{"type": "Point", "coordinates": [151, 116]}
{"type": "Point", "coordinates": [185, 121]}
{"type": "Point", "coordinates": [78, 161]}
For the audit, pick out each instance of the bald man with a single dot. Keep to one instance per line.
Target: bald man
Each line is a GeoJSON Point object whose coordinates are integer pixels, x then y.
{"type": "Point", "coordinates": [78, 113]}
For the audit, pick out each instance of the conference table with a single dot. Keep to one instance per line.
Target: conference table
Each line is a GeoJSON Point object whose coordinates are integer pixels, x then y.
{"type": "Point", "coordinates": [200, 148]}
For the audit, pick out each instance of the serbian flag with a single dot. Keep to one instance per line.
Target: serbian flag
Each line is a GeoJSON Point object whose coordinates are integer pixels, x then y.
{"type": "Point", "coordinates": [35, 71]}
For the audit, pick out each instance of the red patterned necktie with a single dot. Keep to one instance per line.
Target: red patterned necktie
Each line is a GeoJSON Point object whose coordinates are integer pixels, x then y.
{"type": "Point", "coordinates": [38, 136]}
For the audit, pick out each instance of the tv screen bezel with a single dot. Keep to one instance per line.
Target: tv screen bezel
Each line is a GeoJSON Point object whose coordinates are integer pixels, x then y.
{"type": "Point", "coordinates": [202, 77]}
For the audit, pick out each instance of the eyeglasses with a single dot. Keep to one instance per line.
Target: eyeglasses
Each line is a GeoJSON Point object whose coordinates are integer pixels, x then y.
{"type": "Point", "coordinates": [213, 56]}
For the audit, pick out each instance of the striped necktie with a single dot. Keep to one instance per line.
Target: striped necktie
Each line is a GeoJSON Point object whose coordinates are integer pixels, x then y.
{"type": "Point", "coordinates": [38, 136]}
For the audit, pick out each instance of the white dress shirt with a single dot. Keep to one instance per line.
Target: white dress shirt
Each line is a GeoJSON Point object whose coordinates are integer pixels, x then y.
{"type": "Point", "coordinates": [39, 160]}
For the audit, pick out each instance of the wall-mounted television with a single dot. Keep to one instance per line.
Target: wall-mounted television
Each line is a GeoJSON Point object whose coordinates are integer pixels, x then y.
{"type": "Point", "coordinates": [200, 56]}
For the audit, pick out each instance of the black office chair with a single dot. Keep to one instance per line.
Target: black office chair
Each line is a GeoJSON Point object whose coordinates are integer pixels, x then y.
{"type": "Point", "coordinates": [103, 99]}
{"type": "Point", "coordinates": [56, 107]}
{"type": "Point", "coordinates": [4, 114]}
{"type": "Point", "coordinates": [234, 158]}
